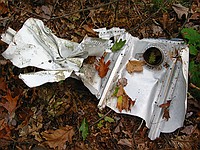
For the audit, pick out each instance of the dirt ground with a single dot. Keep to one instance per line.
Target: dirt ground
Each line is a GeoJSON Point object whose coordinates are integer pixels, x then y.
{"type": "Point", "coordinates": [36, 111]}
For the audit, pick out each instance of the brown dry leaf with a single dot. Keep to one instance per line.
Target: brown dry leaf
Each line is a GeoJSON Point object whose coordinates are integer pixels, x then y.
{"type": "Point", "coordinates": [102, 67]}
{"type": "Point", "coordinates": [126, 142]}
{"type": "Point", "coordinates": [195, 16]}
{"type": "Point", "coordinates": [121, 91]}
{"type": "Point", "coordinates": [180, 10]}
{"type": "Point", "coordinates": [80, 146]}
{"type": "Point", "coordinates": [3, 85]}
{"type": "Point", "coordinates": [11, 103]}
{"type": "Point", "coordinates": [57, 138]}
{"type": "Point", "coordinates": [189, 129]}
{"type": "Point", "coordinates": [125, 102]}
{"type": "Point", "coordinates": [134, 66]}
{"type": "Point", "coordinates": [3, 8]}
{"type": "Point", "coordinates": [47, 10]}
{"type": "Point", "coordinates": [5, 131]}
{"type": "Point", "coordinates": [165, 20]}
{"type": "Point", "coordinates": [165, 107]}
{"type": "Point", "coordinates": [89, 29]}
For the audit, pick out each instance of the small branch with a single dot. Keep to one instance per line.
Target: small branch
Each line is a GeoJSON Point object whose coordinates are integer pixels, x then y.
{"type": "Point", "coordinates": [101, 118]}
{"type": "Point", "coordinates": [139, 126]}
{"type": "Point", "coordinates": [116, 9]}
{"type": "Point", "coordinates": [194, 86]}
{"type": "Point", "coordinates": [82, 10]}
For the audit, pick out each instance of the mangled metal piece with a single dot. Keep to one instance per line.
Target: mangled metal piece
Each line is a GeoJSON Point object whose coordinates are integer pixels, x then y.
{"type": "Point", "coordinates": [155, 91]}
{"type": "Point", "coordinates": [158, 83]}
{"type": "Point", "coordinates": [35, 45]}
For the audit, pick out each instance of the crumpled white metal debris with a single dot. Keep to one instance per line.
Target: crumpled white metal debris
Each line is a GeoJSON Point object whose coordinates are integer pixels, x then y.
{"type": "Point", "coordinates": [35, 45]}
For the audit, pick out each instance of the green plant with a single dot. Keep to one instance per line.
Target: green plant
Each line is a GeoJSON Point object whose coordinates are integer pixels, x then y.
{"type": "Point", "coordinates": [192, 38]}
{"type": "Point", "coordinates": [84, 128]}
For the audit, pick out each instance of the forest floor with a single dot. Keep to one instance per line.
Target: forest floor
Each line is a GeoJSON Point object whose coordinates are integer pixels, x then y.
{"type": "Point", "coordinates": [31, 118]}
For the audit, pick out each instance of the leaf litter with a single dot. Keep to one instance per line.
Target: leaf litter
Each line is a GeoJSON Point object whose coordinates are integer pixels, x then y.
{"type": "Point", "coordinates": [48, 128]}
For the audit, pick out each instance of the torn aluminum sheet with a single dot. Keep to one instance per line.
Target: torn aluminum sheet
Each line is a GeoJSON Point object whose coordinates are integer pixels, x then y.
{"type": "Point", "coordinates": [149, 89]}
{"type": "Point", "coordinates": [35, 45]}
{"type": "Point", "coordinates": [155, 85]}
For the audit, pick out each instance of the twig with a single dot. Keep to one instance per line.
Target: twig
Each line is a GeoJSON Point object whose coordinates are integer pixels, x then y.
{"type": "Point", "coordinates": [194, 86]}
{"type": "Point", "coordinates": [139, 126]}
{"type": "Point", "coordinates": [101, 118]}
{"type": "Point", "coordinates": [116, 9]}
{"type": "Point", "coordinates": [82, 10]}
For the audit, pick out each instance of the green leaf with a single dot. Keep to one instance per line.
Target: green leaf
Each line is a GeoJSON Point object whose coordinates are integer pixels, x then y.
{"type": "Point", "coordinates": [84, 129]}
{"type": "Point", "coordinates": [116, 90]}
{"type": "Point", "coordinates": [109, 119]}
{"type": "Point", "coordinates": [118, 45]}
{"type": "Point", "coordinates": [106, 118]}
{"type": "Point", "coordinates": [195, 73]}
{"type": "Point", "coordinates": [152, 58]}
{"type": "Point", "coordinates": [100, 124]}
{"type": "Point", "coordinates": [191, 35]}
{"type": "Point", "coordinates": [193, 50]}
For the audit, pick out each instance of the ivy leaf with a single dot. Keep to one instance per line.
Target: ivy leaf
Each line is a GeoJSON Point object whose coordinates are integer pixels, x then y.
{"type": "Point", "coordinates": [84, 129]}
{"type": "Point", "coordinates": [195, 73]}
{"type": "Point", "coordinates": [191, 35]}
{"type": "Point", "coordinates": [193, 50]}
{"type": "Point", "coordinates": [118, 45]}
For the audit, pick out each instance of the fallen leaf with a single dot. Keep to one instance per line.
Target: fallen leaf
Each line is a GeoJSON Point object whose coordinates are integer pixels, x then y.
{"type": "Point", "coordinates": [3, 85]}
{"type": "Point", "coordinates": [3, 8]}
{"type": "Point", "coordinates": [80, 146]}
{"type": "Point", "coordinates": [125, 102]}
{"type": "Point", "coordinates": [120, 91]}
{"type": "Point", "coordinates": [119, 103]}
{"type": "Point", "coordinates": [84, 128]}
{"type": "Point", "coordinates": [5, 131]}
{"type": "Point", "coordinates": [106, 118]}
{"type": "Point", "coordinates": [11, 103]}
{"type": "Point", "coordinates": [89, 29]}
{"type": "Point", "coordinates": [165, 107]}
{"type": "Point", "coordinates": [166, 114]}
{"type": "Point", "coordinates": [195, 16]}
{"type": "Point", "coordinates": [118, 45]}
{"type": "Point", "coordinates": [126, 142]}
{"type": "Point", "coordinates": [165, 20]}
{"type": "Point", "coordinates": [102, 67]}
{"type": "Point", "coordinates": [134, 66]}
{"type": "Point", "coordinates": [131, 103]}
{"type": "Point", "coordinates": [180, 10]}
{"type": "Point", "coordinates": [122, 81]}
{"type": "Point", "coordinates": [189, 129]}
{"type": "Point", "coordinates": [47, 10]}
{"type": "Point", "coordinates": [57, 138]}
